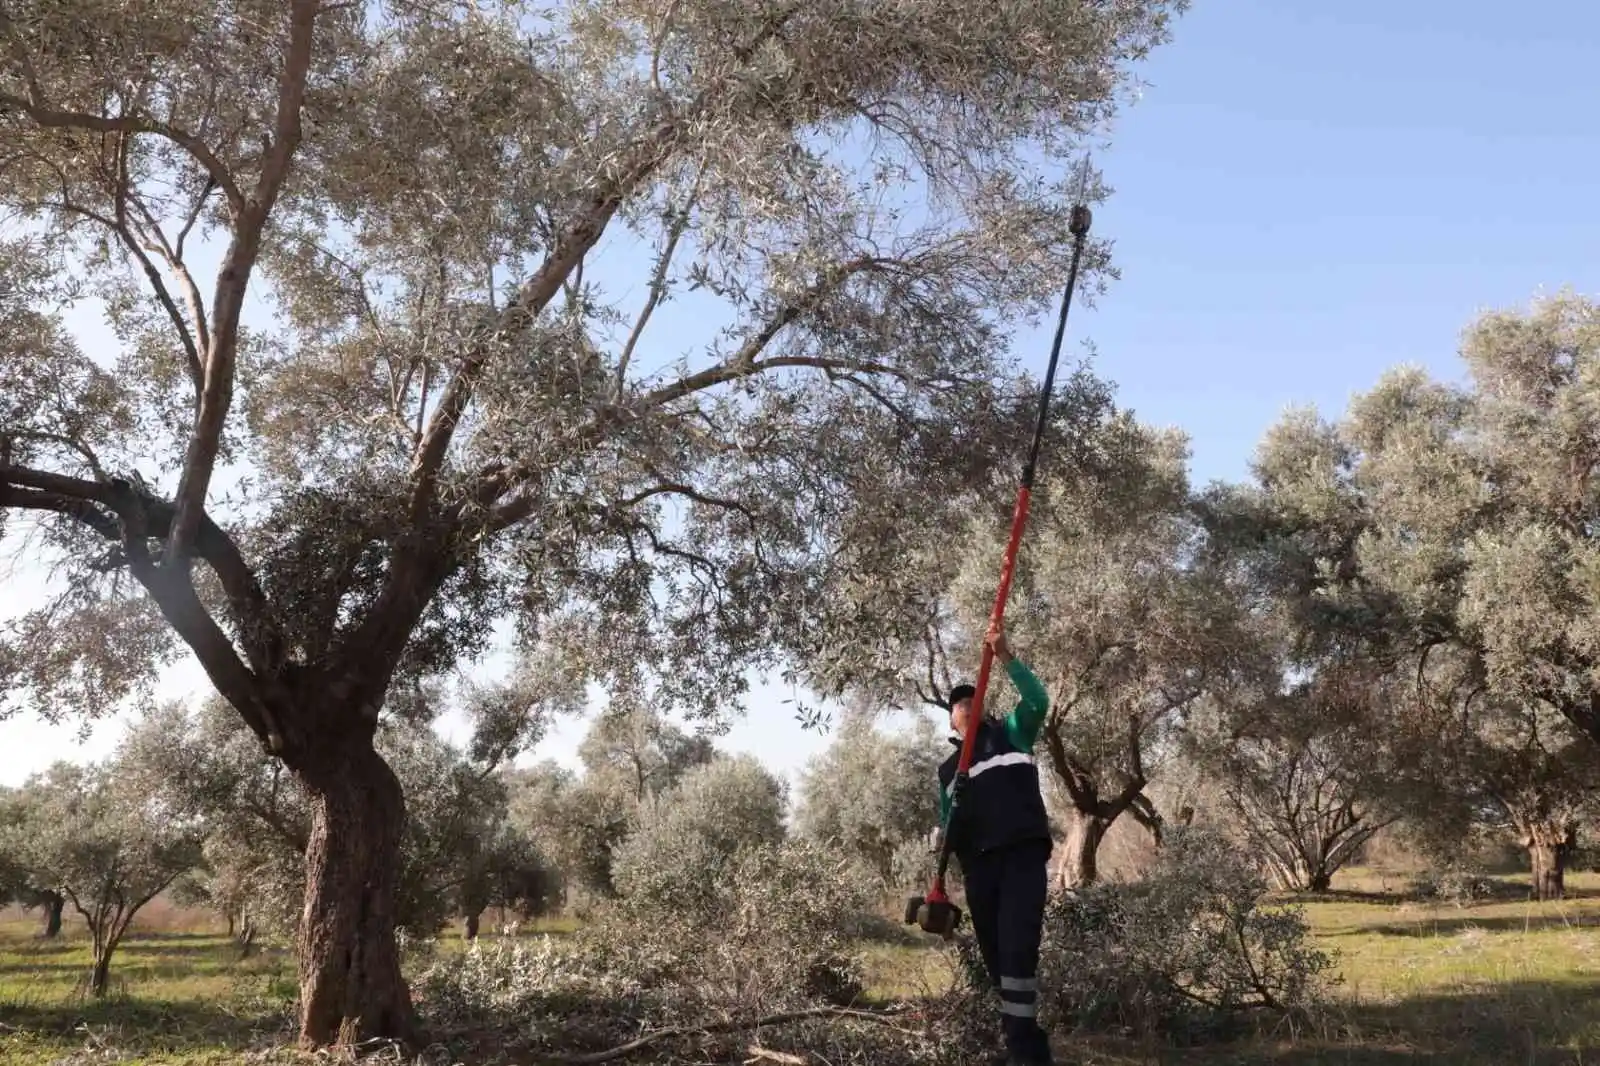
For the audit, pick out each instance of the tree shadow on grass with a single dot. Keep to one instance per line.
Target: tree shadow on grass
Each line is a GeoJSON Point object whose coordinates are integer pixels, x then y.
{"type": "Point", "coordinates": [1342, 895]}
{"type": "Point", "coordinates": [38, 946]}
{"type": "Point", "coordinates": [1526, 1023]}
{"type": "Point", "coordinates": [157, 936]}
{"type": "Point", "coordinates": [1428, 927]}
{"type": "Point", "coordinates": [150, 1026]}
{"type": "Point", "coordinates": [31, 969]}
{"type": "Point", "coordinates": [1531, 1023]}
{"type": "Point", "coordinates": [221, 949]}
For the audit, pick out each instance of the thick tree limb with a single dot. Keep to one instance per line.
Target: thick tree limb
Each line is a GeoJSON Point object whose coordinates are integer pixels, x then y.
{"type": "Point", "coordinates": [104, 507]}
{"type": "Point", "coordinates": [534, 295]}
{"type": "Point", "coordinates": [233, 280]}
{"type": "Point", "coordinates": [179, 604]}
{"type": "Point", "coordinates": [85, 511]}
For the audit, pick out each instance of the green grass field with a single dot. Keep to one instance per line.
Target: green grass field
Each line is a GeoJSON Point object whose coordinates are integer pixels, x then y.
{"type": "Point", "coordinates": [1508, 984]}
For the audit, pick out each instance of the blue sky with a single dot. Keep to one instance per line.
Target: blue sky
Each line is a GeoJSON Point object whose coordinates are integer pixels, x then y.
{"type": "Point", "coordinates": [1306, 195]}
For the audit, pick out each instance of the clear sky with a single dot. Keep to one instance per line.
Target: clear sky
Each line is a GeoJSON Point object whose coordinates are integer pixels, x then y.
{"type": "Point", "coordinates": [1306, 195]}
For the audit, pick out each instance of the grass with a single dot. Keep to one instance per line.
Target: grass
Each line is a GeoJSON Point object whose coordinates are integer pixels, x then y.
{"type": "Point", "coordinates": [1506, 983]}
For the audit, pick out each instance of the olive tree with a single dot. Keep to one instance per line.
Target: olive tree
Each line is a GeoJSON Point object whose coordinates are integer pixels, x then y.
{"type": "Point", "coordinates": [683, 841]}
{"type": "Point", "coordinates": [368, 265]}
{"type": "Point", "coordinates": [106, 847]}
{"type": "Point", "coordinates": [1442, 527]}
{"type": "Point", "coordinates": [871, 796]}
{"type": "Point", "coordinates": [1310, 771]}
{"type": "Point", "coordinates": [18, 884]}
{"type": "Point", "coordinates": [577, 821]}
{"type": "Point", "coordinates": [1127, 631]}
{"type": "Point", "coordinates": [630, 755]}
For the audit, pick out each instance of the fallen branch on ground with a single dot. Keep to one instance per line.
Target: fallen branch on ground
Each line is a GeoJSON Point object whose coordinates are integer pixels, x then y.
{"type": "Point", "coordinates": [624, 1050]}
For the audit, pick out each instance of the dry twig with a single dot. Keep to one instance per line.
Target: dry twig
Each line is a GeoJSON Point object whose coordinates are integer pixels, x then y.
{"type": "Point", "coordinates": [624, 1050]}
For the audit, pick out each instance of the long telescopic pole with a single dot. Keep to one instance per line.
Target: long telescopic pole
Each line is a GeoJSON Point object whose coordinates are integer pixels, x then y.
{"type": "Point", "coordinates": [1079, 227]}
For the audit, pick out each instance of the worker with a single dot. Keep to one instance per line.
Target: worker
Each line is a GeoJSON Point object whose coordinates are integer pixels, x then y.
{"type": "Point", "coordinates": [1001, 838]}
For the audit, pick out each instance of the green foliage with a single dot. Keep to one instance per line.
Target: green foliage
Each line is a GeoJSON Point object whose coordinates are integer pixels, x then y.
{"type": "Point", "coordinates": [1442, 530]}
{"type": "Point", "coordinates": [772, 931]}
{"type": "Point", "coordinates": [459, 850]}
{"type": "Point", "coordinates": [1181, 952]}
{"type": "Point", "coordinates": [631, 755]}
{"type": "Point", "coordinates": [685, 841]}
{"type": "Point", "coordinates": [579, 824]}
{"type": "Point", "coordinates": [872, 798]}
{"type": "Point", "coordinates": [106, 847]}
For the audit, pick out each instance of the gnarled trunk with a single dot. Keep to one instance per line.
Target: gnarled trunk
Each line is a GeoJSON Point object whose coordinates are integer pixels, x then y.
{"type": "Point", "coordinates": [245, 938]}
{"type": "Point", "coordinates": [100, 976]}
{"type": "Point", "coordinates": [351, 987]}
{"type": "Point", "coordinates": [1079, 863]}
{"type": "Point", "coordinates": [1549, 849]}
{"type": "Point", "coordinates": [54, 903]}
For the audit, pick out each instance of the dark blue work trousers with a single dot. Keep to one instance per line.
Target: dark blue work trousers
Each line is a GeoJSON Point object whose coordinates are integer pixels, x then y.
{"type": "Point", "coordinates": [1006, 892]}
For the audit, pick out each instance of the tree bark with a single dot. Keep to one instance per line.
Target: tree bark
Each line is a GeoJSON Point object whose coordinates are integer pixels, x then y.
{"type": "Point", "coordinates": [100, 976]}
{"type": "Point", "coordinates": [1549, 848]}
{"type": "Point", "coordinates": [351, 987]}
{"type": "Point", "coordinates": [245, 938]}
{"type": "Point", "coordinates": [472, 924]}
{"type": "Point", "coordinates": [54, 904]}
{"type": "Point", "coordinates": [1320, 881]}
{"type": "Point", "coordinates": [1079, 864]}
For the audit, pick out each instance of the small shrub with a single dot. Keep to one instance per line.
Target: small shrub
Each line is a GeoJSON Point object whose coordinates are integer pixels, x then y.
{"type": "Point", "coordinates": [1183, 952]}
{"type": "Point", "coordinates": [524, 984]}
{"type": "Point", "coordinates": [684, 841]}
{"type": "Point", "coordinates": [1452, 883]}
{"type": "Point", "coordinates": [773, 931]}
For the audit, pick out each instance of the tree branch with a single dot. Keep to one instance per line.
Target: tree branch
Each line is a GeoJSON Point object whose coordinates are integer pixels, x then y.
{"type": "Point", "coordinates": [233, 281]}
{"type": "Point", "coordinates": [115, 511]}
{"type": "Point", "coordinates": [172, 255]}
{"type": "Point", "coordinates": [122, 196]}
{"type": "Point", "coordinates": [531, 299]}
{"type": "Point", "coordinates": [624, 1050]}
{"type": "Point", "coordinates": [51, 118]}
{"type": "Point", "coordinates": [658, 280]}
{"type": "Point", "coordinates": [495, 482]}
{"type": "Point", "coordinates": [82, 449]}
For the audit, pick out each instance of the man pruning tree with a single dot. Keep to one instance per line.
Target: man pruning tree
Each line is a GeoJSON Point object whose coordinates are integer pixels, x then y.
{"type": "Point", "coordinates": [1001, 838]}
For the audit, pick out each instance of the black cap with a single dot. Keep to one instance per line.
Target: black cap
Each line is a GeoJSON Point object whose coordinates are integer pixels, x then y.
{"type": "Point", "coordinates": [959, 693]}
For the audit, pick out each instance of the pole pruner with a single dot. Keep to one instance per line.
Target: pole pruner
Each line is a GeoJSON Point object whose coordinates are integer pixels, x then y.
{"type": "Point", "coordinates": [934, 911]}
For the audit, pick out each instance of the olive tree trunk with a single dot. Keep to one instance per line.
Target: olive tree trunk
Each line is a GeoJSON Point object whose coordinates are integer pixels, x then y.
{"type": "Point", "coordinates": [54, 904]}
{"type": "Point", "coordinates": [1549, 849]}
{"type": "Point", "coordinates": [1079, 865]}
{"type": "Point", "coordinates": [351, 987]}
{"type": "Point", "coordinates": [100, 976]}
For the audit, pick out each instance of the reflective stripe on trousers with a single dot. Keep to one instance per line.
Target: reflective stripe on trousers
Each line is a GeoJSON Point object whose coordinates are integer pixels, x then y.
{"type": "Point", "coordinates": [1019, 997]}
